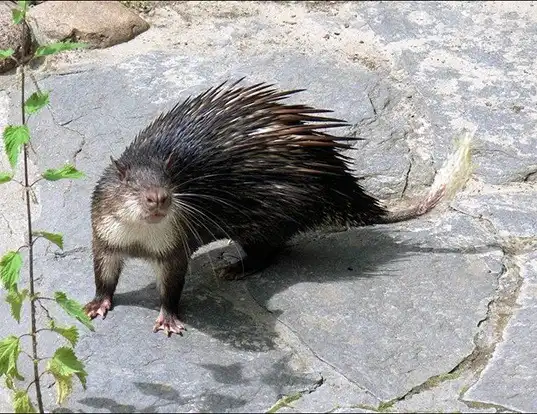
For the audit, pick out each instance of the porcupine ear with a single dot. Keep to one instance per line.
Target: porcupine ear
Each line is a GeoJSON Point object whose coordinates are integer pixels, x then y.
{"type": "Point", "coordinates": [120, 168]}
{"type": "Point", "coordinates": [169, 161]}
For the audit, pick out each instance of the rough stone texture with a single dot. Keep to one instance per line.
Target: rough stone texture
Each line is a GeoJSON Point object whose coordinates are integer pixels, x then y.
{"type": "Point", "coordinates": [510, 380]}
{"type": "Point", "coordinates": [10, 36]}
{"type": "Point", "coordinates": [475, 69]}
{"type": "Point", "coordinates": [430, 315]}
{"type": "Point", "coordinates": [99, 23]}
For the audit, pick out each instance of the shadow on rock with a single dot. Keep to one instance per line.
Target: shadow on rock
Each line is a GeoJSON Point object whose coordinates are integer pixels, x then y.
{"type": "Point", "coordinates": [225, 310]}
{"type": "Point", "coordinates": [163, 395]}
{"type": "Point", "coordinates": [280, 377]}
{"type": "Point", "coordinates": [235, 311]}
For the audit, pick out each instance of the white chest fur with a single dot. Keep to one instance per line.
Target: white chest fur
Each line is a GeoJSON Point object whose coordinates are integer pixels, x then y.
{"type": "Point", "coordinates": [158, 238]}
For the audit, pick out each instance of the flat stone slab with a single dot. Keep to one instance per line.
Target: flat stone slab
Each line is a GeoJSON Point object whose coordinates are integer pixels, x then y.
{"type": "Point", "coordinates": [427, 315]}
{"type": "Point", "coordinates": [384, 305]}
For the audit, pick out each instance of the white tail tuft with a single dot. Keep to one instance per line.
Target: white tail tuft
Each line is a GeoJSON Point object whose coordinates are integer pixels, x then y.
{"type": "Point", "coordinates": [456, 170]}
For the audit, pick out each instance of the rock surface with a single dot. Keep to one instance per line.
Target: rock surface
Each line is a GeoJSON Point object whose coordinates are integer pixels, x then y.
{"type": "Point", "coordinates": [431, 315]}
{"type": "Point", "coordinates": [509, 380]}
{"type": "Point", "coordinates": [99, 23]}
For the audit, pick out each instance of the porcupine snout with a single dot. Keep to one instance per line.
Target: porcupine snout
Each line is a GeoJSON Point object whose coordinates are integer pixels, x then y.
{"type": "Point", "coordinates": [157, 202]}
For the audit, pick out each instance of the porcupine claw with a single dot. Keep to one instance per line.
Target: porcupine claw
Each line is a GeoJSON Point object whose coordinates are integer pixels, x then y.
{"type": "Point", "coordinates": [98, 307]}
{"type": "Point", "coordinates": [169, 324]}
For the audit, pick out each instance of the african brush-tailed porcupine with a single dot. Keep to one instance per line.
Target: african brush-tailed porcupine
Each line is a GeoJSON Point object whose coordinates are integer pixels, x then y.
{"type": "Point", "coordinates": [232, 163]}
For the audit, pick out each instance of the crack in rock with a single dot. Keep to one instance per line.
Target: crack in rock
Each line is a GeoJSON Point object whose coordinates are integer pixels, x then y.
{"type": "Point", "coordinates": [500, 309]}
{"type": "Point", "coordinates": [530, 177]}
{"type": "Point", "coordinates": [284, 400]}
{"type": "Point", "coordinates": [266, 316]}
{"type": "Point", "coordinates": [82, 136]}
{"type": "Point", "coordinates": [65, 253]}
{"type": "Point", "coordinates": [487, 223]}
{"type": "Point", "coordinates": [407, 175]}
{"type": "Point", "coordinates": [8, 224]}
{"type": "Point", "coordinates": [497, 407]}
{"type": "Point", "coordinates": [324, 361]}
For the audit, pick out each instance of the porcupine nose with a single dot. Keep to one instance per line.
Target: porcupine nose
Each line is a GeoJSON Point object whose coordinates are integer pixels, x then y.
{"type": "Point", "coordinates": [158, 198]}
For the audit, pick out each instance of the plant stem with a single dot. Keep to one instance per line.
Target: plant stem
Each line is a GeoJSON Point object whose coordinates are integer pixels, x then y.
{"type": "Point", "coordinates": [30, 244]}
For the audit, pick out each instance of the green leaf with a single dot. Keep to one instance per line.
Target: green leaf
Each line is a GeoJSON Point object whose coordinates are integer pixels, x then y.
{"type": "Point", "coordinates": [63, 365]}
{"type": "Point", "coordinates": [17, 15]}
{"type": "Point", "coordinates": [55, 238]}
{"type": "Point", "coordinates": [74, 309]}
{"type": "Point", "coordinates": [67, 171]}
{"type": "Point", "coordinates": [36, 101]}
{"type": "Point", "coordinates": [23, 4]}
{"type": "Point", "coordinates": [64, 387]}
{"type": "Point", "coordinates": [14, 137]}
{"type": "Point", "coordinates": [9, 383]}
{"type": "Point", "coordinates": [70, 333]}
{"type": "Point", "coordinates": [22, 402]}
{"type": "Point", "coordinates": [5, 177]}
{"type": "Point", "coordinates": [9, 353]}
{"type": "Point", "coordinates": [10, 266]}
{"type": "Point", "coordinates": [4, 54]}
{"type": "Point", "coordinates": [15, 299]}
{"type": "Point", "coordinates": [53, 48]}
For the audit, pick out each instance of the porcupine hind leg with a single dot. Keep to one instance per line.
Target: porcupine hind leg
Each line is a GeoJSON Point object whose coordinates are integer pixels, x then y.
{"type": "Point", "coordinates": [261, 247]}
{"type": "Point", "coordinates": [171, 274]}
{"type": "Point", "coordinates": [259, 255]}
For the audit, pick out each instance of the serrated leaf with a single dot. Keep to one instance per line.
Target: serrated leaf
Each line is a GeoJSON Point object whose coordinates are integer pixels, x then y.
{"type": "Point", "coordinates": [67, 171]}
{"type": "Point", "coordinates": [55, 238]}
{"type": "Point", "coordinates": [9, 353]}
{"type": "Point", "coordinates": [64, 387]}
{"type": "Point", "coordinates": [17, 15]}
{"type": "Point", "coordinates": [10, 266]}
{"type": "Point", "coordinates": [15, 299]}
{"type": "Point", "coordinates": [73, 308]}
{"type": "Point", "coordinates": [5, 177]}
{"type": "Point", "coordinates": [22, 402]}
{"type": "Point", "coordinates": [70, 333]}
{"type": "Point", "coordinates": [36, 101]}
{"type": "Point", "coordinates": [15, 136]}
{"type": "Point", "coordinates": [57, 47]}
{"type": "Point", "coordinates": [4, 54]}
{"type": "Point", "coordinates": [63, 365]}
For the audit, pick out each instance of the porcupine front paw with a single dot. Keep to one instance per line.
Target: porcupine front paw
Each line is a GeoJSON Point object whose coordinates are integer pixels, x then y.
{"type": "Point", "coordinates": [98, 307]}
{"type": "Point", "coordinates": [168, 323]}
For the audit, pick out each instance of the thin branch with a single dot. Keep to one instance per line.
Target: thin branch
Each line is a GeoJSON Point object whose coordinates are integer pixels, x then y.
{"type": "Point", "coordinates": [39, 330]}
{"type": "Point", "coordinates": [36, 181]}
{"type": "Point", "coordinates": [21, 247]}
{"type": "Point", "coordinates": [34, 381]}
{"type": "Point", "coordinates": [30, 236]}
